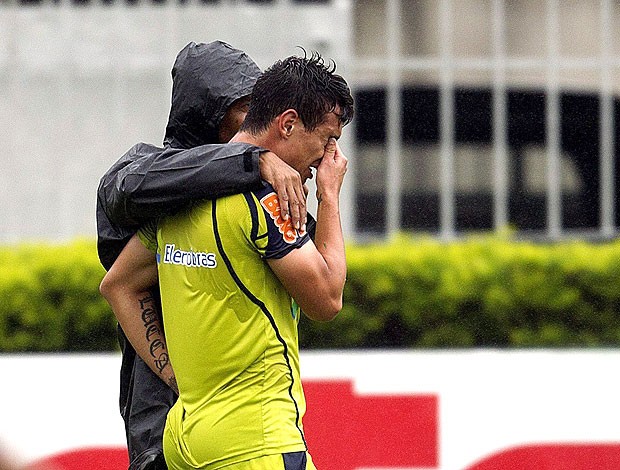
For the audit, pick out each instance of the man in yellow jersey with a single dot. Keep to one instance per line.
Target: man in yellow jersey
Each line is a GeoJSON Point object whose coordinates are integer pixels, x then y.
{"type": "Point", "coordinates": [234, 276]}
{"type": "Point", "coordinates": [211, 86]}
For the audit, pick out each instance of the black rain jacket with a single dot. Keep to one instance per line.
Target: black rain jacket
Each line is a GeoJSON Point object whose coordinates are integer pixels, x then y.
{"type": "Point", "coordinates": [150, 181]}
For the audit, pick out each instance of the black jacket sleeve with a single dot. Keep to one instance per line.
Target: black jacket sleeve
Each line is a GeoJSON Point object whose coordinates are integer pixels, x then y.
{"type": "Point", "coordinates": [149, 182]}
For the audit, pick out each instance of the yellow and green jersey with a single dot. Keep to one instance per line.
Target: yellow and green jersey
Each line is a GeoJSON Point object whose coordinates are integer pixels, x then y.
{"type": "Point", "coordinates": [231, 330]}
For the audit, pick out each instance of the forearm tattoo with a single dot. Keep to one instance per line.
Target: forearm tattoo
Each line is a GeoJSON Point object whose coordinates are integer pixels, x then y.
{"type": "Point", "coordinates": [154, 334]}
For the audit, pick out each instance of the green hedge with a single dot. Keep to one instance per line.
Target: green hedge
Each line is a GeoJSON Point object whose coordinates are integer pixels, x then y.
{"type": "Point", "coordinates": [50, 301]}
{"type": "Point", "coordinates": [411, 292]}
{"type": "Point", "coordinates": [480, 292]}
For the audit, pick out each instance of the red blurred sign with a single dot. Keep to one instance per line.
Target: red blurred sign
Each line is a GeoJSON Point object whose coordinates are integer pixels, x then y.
{"type": "Point", "coordinates": [100, 458]}
{"type": "Point", "coordinates": [346, 431]}
{"type": "Point", "coordinates": [554, 457]}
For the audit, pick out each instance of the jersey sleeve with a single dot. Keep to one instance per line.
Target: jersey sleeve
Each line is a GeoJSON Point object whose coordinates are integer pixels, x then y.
{"type": "Point", "coordinates": [279, 237]}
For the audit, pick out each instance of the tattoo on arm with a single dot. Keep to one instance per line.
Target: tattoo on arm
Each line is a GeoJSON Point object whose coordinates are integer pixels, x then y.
{"type": "Point", "coordinates": [155, 337]}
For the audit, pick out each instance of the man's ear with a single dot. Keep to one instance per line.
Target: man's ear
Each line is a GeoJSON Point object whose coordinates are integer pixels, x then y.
{"type": "Point", "coordinates": [286, 122]}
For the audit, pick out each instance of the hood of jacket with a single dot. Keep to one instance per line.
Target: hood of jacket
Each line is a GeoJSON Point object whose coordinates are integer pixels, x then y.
{"type": "Point", "coordinates": [206, 80]}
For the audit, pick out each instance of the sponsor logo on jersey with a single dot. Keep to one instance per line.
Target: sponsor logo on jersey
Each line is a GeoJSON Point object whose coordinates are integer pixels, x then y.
{"type": "Point", "coordinates": [271, 204]}
{"type": "Point", "coordinates": [191, 259]}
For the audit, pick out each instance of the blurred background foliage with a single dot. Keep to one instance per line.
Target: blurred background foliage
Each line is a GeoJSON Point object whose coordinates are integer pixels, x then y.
{"type": "Point", "coordinates": [408, 293]}
{"type": "Point", "coordinates": [50, 301]}
{"type": "Point", "coordinates": [477, 292]}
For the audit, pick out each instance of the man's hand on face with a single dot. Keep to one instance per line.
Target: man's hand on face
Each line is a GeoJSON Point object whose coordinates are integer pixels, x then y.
{"type": "Point", "coordinates": [330, 172]}
{"type": "Point", "coordinates": [287, 183]}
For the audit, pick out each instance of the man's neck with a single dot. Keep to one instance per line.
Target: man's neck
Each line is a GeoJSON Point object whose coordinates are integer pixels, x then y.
{"type": "Point", "coordinates": [247, 138]}
{"type": "Point", "coordinates": [267, 140]}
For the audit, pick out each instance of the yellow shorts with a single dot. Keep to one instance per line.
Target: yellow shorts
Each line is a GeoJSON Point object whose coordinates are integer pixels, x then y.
{"type": "Point", "coordinates": [275, 462]}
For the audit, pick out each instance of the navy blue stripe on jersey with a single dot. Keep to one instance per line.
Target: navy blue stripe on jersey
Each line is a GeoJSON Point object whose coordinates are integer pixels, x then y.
{"type": "Point", "coordinates": [311, 226]}
{"type": "Point", "coordinates": [295, 460]}
{"type": "Point", "coordinates": [254, 213]}
{"type": "Point", "coordinates": [256, 301]}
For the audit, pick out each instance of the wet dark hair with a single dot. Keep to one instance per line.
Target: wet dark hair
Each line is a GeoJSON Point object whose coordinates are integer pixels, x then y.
{"type": "Point", "coordinates": [306, 84]}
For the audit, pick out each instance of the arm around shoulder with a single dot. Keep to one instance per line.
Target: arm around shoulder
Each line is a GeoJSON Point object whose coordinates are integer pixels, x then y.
{"type": "Point", "coordinates": [153, 181]}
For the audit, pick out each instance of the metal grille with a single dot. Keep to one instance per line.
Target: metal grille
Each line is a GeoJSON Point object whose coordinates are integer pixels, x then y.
{"type": "Point", "coordinates": [551, 64]}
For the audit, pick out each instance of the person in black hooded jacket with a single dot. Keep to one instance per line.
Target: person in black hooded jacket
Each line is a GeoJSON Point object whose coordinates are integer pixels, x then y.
{"type": "Point", "coordinates": [211, 87]}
